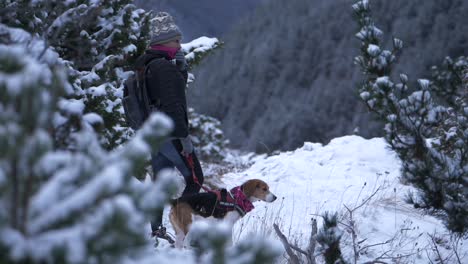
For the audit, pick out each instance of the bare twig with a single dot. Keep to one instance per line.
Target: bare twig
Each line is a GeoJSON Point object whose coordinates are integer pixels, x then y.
{"type": "Point", "coordinates": [312, 243]}
{"type": "Point", "coordinates": [436, 249]}
{"type": "Point", "coordinates": [378, 244]}
{"type": "Point", "coordinates": [352, 229]}
{"type": "Point", "coordinates": [292, 257]}
{"type": "Point", "coordinates": [298, 249]}
{"type": "Point", "coordinates": [382, 255]}
{"type": "Point", "coordinates": [456, 255]}
{"type": "Point", "coordinates": [399, 257]}
{"type": "Point", "coordinates": [367, 200]}
{"type": "Point", "coordinates": [308, 253]}
{"type": "Point", "coordinates": [429, 257]}
{"type": "Point", "coordinates": [455, 250]}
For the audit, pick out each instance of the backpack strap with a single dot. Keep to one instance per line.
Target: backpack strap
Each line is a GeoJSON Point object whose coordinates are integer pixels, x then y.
{"type": "Point", "coordinates": [149, 107]}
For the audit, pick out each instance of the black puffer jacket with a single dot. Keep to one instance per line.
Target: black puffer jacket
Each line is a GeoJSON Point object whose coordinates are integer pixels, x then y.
{"type": "Point", "coordinates": [166, 88]}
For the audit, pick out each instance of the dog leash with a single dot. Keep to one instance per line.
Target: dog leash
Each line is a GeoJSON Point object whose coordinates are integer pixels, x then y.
{"type": "Point", "coordinates": [219, 196]}
{"type": "Point", "coordinates": [195, 179]}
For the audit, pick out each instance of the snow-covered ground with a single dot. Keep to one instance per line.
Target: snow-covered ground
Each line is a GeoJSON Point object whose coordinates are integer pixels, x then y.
{"type": "Point", "coordinates": [349, 173]}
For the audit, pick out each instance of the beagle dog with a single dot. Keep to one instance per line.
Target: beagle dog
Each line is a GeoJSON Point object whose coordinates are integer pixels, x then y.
{"type": "Point", "coordinates": [221, 204]}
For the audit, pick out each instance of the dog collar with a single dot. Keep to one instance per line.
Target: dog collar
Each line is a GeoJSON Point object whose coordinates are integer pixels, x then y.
{"type": "Point", "coordinates": [241, 201]}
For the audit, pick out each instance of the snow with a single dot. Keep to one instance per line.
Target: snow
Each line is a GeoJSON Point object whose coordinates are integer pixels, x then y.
{"type": "Point", "coordinates": [108, 181]}
{"type": "Point", "coordinates": [102, 64]}
{"type": "Point", "coordinates": [424, 84]}
{"type": "Point", "coordinates": [161, 120]}
{"type": "Point", "coordinates": [373, 50]}
{"type": "Point", "coordinates": [404, 78]}
{"type": "Point", "coordinates": [98, 91]}
{"type": "Point", "coordinates": [199, 45]}
{"type": "Point", "coordinates": [365, 95]}
{"type": "Point", "coordinates": [383, 81]}
{"type": "Point", "coordinates": [30, 75]}
{"type": "Point", "coordinates": [61, 20]}
{"type": "Point", "coordinates": [369, 31]}
{"type": "Point", "coordinates": [200, 42]}
{"type": "Point", "coordinates": [90, 77]}
{"type": "Point", "coordinates": [129, 49]}
{"type": "Point", "coordinates": [318, 178]}
{"type": "Point", "coordinates": [315, 177]}
{"type": "Point", "coordinates": [72, 106]}
{"type": "Point", "coordinates": [397, 43]}
{"type": "Point", "coordinates": [93, 118]}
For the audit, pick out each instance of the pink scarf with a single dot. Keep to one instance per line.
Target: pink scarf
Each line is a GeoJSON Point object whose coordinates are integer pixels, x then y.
{"type": "Point", "coordinates": [241, 199]}
{"type": "Point", "coordinates": [171, 52]}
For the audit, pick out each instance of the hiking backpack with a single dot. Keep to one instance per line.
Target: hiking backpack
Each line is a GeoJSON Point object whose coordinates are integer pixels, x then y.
{"type": "Point", "coordinates": [136, 102]}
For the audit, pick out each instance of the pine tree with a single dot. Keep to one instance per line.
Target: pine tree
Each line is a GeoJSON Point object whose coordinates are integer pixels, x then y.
{"type": "Point", "coordinates": [427, 132]}
{"type": "Point", "coordinates": [206, 131]}
{"type": "Point", "coordinates": [329, 237]}
{"type": "Point", "coordinates": [207, 137]}
{"type": "Point", "coordinates": [447, 81]}
{"type": "Point", "coordinates": [100, 39]}
{"type": "Point", "coordinates": [61, 205]}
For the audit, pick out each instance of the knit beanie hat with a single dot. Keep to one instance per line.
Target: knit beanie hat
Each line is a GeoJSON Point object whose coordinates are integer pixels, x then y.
{"type": "Point", "coordinates": [164, 29]}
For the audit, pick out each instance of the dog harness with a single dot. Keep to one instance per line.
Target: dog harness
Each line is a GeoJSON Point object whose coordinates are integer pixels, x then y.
{"type": "Point", "coordinates": [232, 200]}
{"type": "Point", "coordinates": [225, 201]}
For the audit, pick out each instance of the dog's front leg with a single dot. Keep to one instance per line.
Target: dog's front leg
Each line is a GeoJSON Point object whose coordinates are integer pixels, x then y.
{"type": "Point", "coordinates": [231, 218]}
{"type": "Point", "coordinates": [180, 238]}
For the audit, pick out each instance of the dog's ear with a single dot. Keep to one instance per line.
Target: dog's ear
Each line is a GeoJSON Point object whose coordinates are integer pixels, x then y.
{"type": "Point", "coordinates": [249, 187]}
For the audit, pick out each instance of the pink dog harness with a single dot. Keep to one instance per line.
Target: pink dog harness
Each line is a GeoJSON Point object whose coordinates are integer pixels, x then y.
{"type": "Point", "coordinates": [240, 200]}
{"type": "Point", "coordinates": [225, 201]}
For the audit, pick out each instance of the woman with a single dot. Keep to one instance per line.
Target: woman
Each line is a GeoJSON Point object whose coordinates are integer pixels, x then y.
{"type": "Point", "coordinates": [166, 80]}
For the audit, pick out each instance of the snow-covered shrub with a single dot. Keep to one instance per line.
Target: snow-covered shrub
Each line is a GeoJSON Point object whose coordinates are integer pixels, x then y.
{"type": "Point", "coordinates": [328, 237]}
{"type": "Point", "coordinates": [447, 81]}
{"type": "Point", "coordinates": [101, 39]}
{"type": "Point", "coordinates": [207, 136]}
{"type": "Point", "coordinates": [78, 205]}
{"type": "Point", "coordinates": [206, 131]}
{"type": "Point", "coordinates": [429, 134]}
{"type": "Point", "coordinates": [211, 239]}
{"type": "Point", "coordinates": [199, 48]}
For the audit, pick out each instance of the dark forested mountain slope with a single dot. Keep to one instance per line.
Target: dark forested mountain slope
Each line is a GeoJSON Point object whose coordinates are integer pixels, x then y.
{"type": "Point", "coordinates": [197, 18]}
{"type": "Point", "coordinates": [286, 73]}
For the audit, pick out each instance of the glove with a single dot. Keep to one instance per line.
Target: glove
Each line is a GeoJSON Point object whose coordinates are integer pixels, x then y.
{"type": "Point", "coordinates": [187, 146]}
{"type": "Point", "coordinates": [181, 63]}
